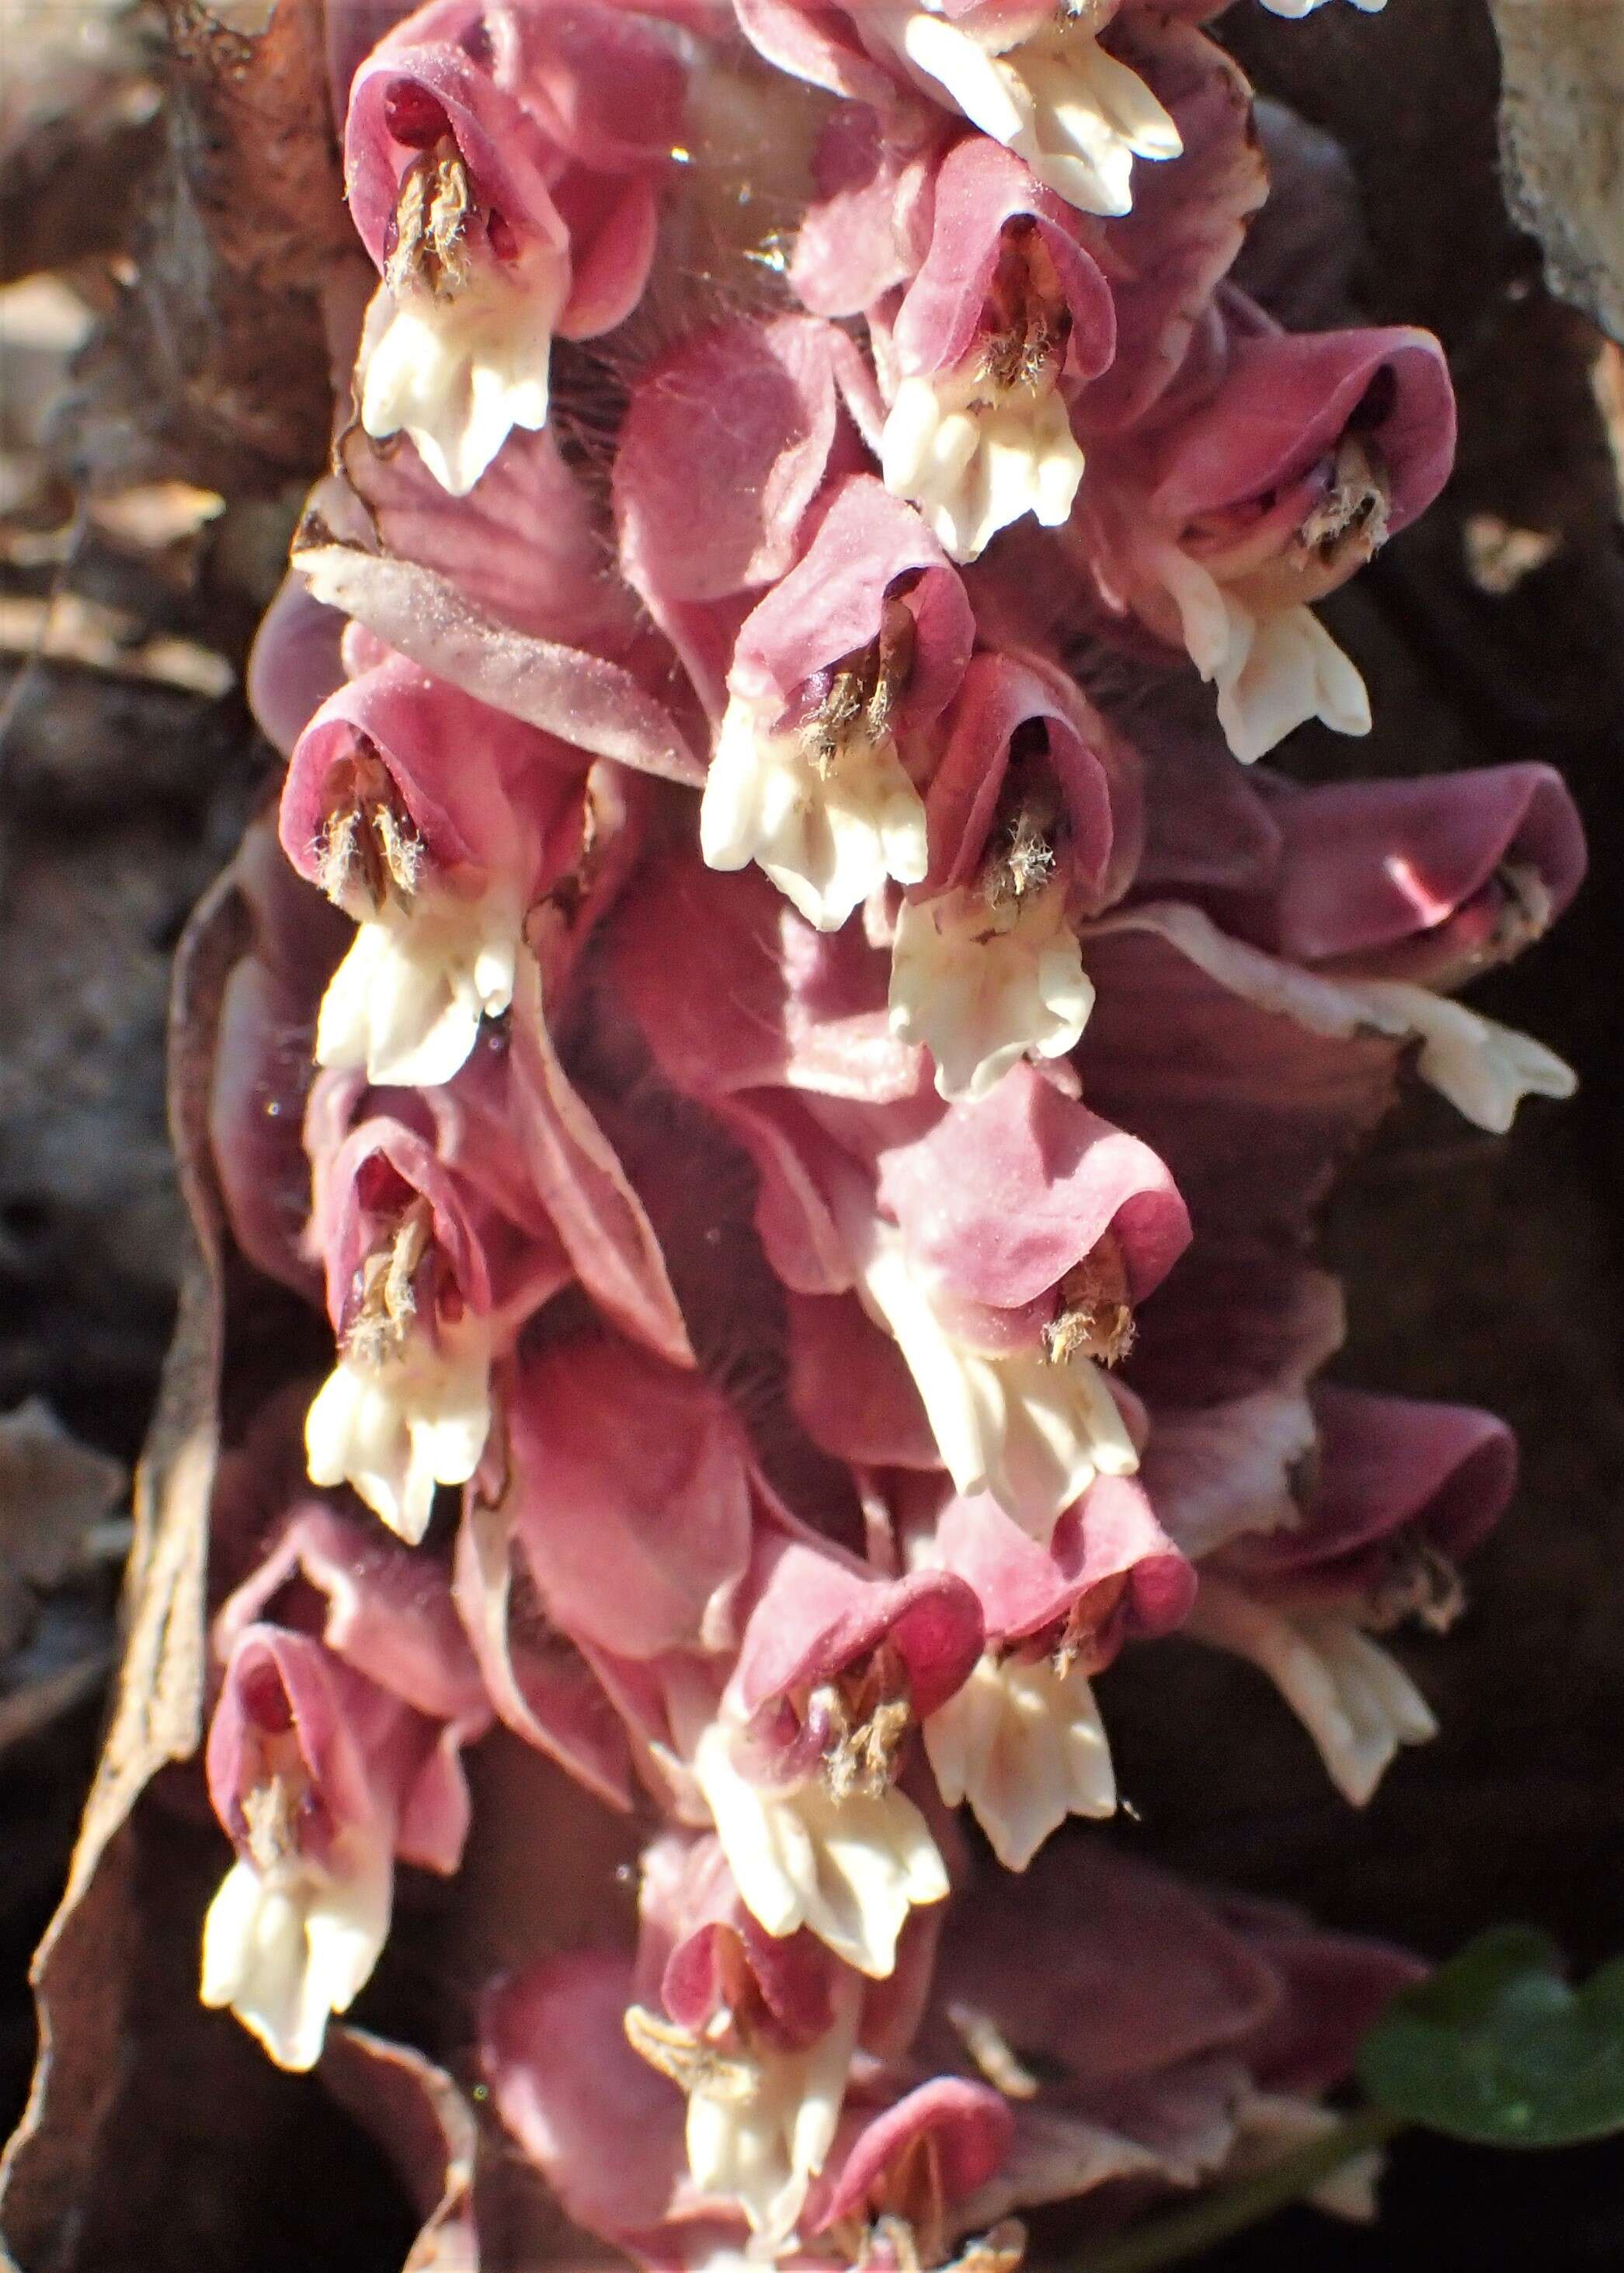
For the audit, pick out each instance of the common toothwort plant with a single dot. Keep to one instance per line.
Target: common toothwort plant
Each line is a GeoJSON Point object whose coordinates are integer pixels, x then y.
{"type": "Point", "coordinates": [811, 1166]}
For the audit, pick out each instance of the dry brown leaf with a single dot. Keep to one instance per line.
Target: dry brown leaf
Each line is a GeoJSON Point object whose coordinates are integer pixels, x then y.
{"type": "Point", "coordinates": [213, 367]}
{"type": "Point", "coordinates": [257, 140]}
{"type": "Point", "coordinates": [427, 2127]}
{"type": "Point", "coordinates": [79, 1972]}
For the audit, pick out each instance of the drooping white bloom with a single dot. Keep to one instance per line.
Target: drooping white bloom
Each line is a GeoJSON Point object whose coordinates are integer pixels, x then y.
{"type": "Point", "coordinates": [1023, 1742]}
{"type": "Point", "coordinates": [1274, 666]}
{"type": "Point", "coordinates": [1055, 97]}
{"type": "Point", "coordinates": [764, 2149]}
{"type": "Point", "coordinates": [849, 1869]}
{"type": "Point", "coordinates": [761, 2117]}
{"type": "Point", "coordinates": [393, 1423]}
{"type": "Point", "coordinates": [1032, 1431]}
{"type": "Point", "coordinates": [1273, 2123]}
{"type": "Point", "coordinates": [287, 1947]}
{"type": "Point", "coordinates": [1483, 1069]}
{"type": "Point", "coordinates": [1297, 8]}
{"type": "Point", "coordinates": [406, 1001]}
{"type": "Point", "coordinates": [458, 370]}
{"type": "Point", "coordinates": [1355, 1699]}
{"type": "Point", "coordinates": [826, 825]}
{"type": "Point", "coordinates": [974, 455]}
{"type": "Point", "coordinates": [982, 986]}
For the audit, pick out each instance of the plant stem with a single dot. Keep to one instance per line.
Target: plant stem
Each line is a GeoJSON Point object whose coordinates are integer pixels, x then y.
{"type": "Point", "coordinates": [1163, 2240]}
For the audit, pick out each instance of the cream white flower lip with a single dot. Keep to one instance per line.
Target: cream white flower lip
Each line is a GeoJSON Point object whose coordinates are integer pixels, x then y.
{"type": "Point", "coordinates": [455, 358]}
{"type": "Point", "coordinates": [848, 1868]}
{"type": "Point", "coordinates": [1031, 810]}
{"type": "Point", "coordinates": [1351, 1695]}
{"type": "Point", "coordinates": [323, 1772]}
{"type": "Point", "coordinates": [408, 1000]}
{"type": "Point", "coordinates": [1032, 1432]}
{"type": "Point", "coordinates": [984, 985]}
{"type": "Point", "coordinates": [827, 810]}
{"type": "Point", "coordinates": [835, 677]}
{"type": "Point", "coordinates": [1024, 1743]}
{"type": "Point", "coordinates": [409, 1247]}
{"type": "Point", "coordinates": [1039, 82]}
{"type": "Point", "coordinates": [397, 1425]}
{"type": "Point", "coordinates": [762, 2115]}
{"type": "Point", "coordinates": [432, 821]}
{"type": "Point", "coordinates": [1007, 320]}
{"type": "Point", "coordinates": [464, 150]}
{"type": "Point", "coordinates": [975, 452]}
{"type": "Point", "coordinates": [799, 1766]}
{"type": "Point", "coordinates": [286, 1945]}
{"type": "Point", "coordinates": [1274, 666]}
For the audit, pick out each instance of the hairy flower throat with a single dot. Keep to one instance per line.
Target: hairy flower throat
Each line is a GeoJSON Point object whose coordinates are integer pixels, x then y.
{"type": "Point", "coordinates": [432, 214]}
{"type": "Point", "coordinates": [370, 849]}
{"type": "Point", "coordinates": [864, 688]}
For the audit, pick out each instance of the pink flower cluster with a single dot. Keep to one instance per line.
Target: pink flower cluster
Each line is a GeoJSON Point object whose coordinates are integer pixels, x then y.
{"type": "Point", "coordinates": [808, 1121]}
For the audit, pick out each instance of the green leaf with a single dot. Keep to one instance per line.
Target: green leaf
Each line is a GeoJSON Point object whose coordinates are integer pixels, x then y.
{"type": "Point", "coordinates": [1498, 2049]}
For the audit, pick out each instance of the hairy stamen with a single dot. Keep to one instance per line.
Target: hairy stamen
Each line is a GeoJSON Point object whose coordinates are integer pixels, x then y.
{"type": "Point", "coordinates": [1022, 847]}
{"type": "Point", "coordinates": [992, 2052]}
{"type": "Point", "coordinates": [1028, 314]}
{"type": "Point", "coordinates": [1094, 1316]}
{"type": "Point", "coordinates": [1419, 1583]}
{"type": "Point", "coordinates": [866, 1713]}
{"type": "Point", "coordinates": [1084, 1629]}
{"type": "Point", "coordinates": [1021, 864]}
{"type": "Point", "coordinates": [270, 1818]}
{"type": "Point", "coordinates": [1353, 512]}
{"type": "Point", "coordinates": [1525, 916]}
{"type": "Point", "coordinates": [432, 214]}
{"type": "Point", "coordinates": [865, 686]}
{"type": "Point", "coordinates": [389, 1291]}
{"type": "Point", "coordinates": [367, 844]}
{"type": "Point", "coordinates": [910, 2205]}
{"type": "Point", "coordinates": [690, 2063]}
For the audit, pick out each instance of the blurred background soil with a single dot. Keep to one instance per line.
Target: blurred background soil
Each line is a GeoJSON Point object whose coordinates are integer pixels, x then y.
{"type": "Point", "coordinates": [161, 412]}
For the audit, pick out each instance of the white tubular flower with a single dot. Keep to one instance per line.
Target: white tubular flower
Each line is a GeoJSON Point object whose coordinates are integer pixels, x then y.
{"type": "Point", "coordinates": [1484, 1069]}
{"type": "Point", "coordinates": [764, 2148]}
{"type": "Point", "coordinates": [827, 820]}
{"type": "Point", "coordinates": [760, 2120]}
{"type": "Point", "coordinates": [974, 455]}
{"type": "Point", "coordinates": [1356, 1701]}
{"type": "Point", "coordinates": [1273, 667]}
{"type": "Point", "coordinates": [287, 1947]}
{"type": "Point", "coordinates": [1056, 99]}
{"type": "Point", "coordinates": [459, 366]}
{"type": "Point", "coordinates": [1023, 1742]}
{"type": "Point", "coordinates": [406, 1001]}
{"type": "Point", "coordinates": [981, 986]}
{"type": "Point", "coordinates": [1033, 1432]}
{"type": "Point", "coordinates": [394, 1421]}
{"type": "Point", "coordinates": [1297, 8]}
{"type": "Point", "coordinates": [849, 1869]}
{"type": "Point", "coordinates": [1273, 2123]}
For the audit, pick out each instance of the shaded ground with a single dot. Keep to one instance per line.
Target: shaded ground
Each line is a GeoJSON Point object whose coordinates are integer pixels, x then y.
{"type": "Point", "coordinates": [1486, 1270]}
